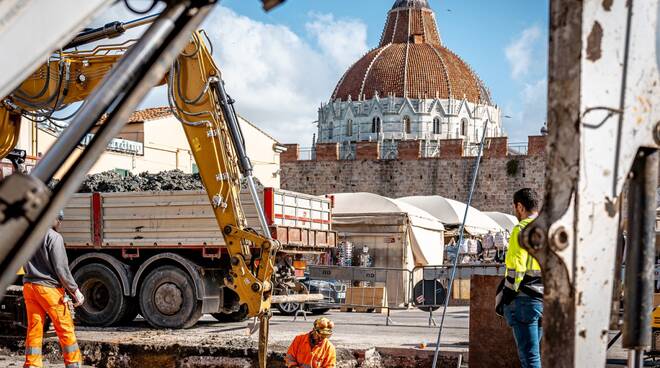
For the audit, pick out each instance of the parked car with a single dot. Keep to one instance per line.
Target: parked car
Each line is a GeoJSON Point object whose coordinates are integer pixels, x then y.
{"type": "Point", "coordinates": [334, 293]}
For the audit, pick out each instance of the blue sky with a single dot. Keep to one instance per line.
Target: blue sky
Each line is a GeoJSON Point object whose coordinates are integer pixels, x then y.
{"type": "Point", "coordinates": [281, 65]}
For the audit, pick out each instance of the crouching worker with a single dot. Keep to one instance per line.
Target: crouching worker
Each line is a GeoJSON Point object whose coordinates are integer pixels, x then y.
{"type": "Point", "coordinates": [313, 349]}
{"type": "Point", "coordinates": [46, 282]}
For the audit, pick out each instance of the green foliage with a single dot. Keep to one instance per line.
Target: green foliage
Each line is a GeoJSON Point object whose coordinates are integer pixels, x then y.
{"type": "Point", "coordinates": [512, 167]}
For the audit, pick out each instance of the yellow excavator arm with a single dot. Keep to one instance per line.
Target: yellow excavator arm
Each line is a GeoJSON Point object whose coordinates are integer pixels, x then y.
{"type": "Point", "coordinates": [199, 101]}
{"type": "Point", "coordinates": [66, 78]}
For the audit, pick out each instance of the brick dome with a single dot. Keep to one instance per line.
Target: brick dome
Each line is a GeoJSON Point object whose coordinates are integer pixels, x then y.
{"type": "Point", "coordinates": [411, 61]}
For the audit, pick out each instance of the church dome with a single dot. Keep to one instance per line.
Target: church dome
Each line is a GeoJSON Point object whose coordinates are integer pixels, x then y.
{"type": "Point", "coordinates": [411, 61]}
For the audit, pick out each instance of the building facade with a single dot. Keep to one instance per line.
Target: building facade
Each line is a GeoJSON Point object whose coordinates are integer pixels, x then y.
{"type": "Point", "coordinates": [152, 140]}
{"type": "Point", "coordinates": [411, 87]}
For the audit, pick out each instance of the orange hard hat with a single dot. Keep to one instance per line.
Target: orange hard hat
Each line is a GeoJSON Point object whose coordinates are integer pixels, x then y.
{"type": "Point", "coordinates": [323, 326]}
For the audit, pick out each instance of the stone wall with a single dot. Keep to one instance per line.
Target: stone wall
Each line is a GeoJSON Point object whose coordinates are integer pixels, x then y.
{"type": "Point", "coordinates": [500, 175]}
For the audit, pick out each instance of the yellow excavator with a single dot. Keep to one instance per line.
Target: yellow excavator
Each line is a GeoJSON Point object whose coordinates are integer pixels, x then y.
{"type": "Point", "coordinates": [197, 98]}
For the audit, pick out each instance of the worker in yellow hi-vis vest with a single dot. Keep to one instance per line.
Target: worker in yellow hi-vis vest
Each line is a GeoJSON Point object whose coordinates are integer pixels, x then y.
{"type": "Point", "coordinates": [523, 284]}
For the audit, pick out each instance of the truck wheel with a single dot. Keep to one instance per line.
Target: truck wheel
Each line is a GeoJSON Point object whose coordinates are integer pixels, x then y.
{"type": "Point", "coordinates": [105, 302]}
{"type": "Point", "coordinates": [168, 300]}
{"type": "Point", "coordinates": [238, 316]}
{"type": "Point", "coordinates": [288, 309]}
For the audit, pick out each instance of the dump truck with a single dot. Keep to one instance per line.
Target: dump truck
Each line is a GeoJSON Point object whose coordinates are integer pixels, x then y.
{"type": "Point", "coordinates": [162, 253]}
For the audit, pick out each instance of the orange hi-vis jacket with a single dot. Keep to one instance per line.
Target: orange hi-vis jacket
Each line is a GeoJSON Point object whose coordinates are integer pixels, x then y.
{"type": "Point", "coordinates": [302, 354]}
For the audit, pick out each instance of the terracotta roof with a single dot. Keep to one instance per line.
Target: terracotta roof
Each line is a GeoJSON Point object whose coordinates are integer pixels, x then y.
{"type": "Point", "coordinates": [150, 114]}
{"type": "Point", "coordinates": [411, 61]}
{"type": "Point", "coordinates": [139, 116]}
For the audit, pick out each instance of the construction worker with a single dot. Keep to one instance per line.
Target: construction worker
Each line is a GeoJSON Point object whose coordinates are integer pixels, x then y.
{"type": "Point", "coordinates": [524, 286]}
{"type": "Point", "coordinates": [46, 282]}
{"type": "Point", "coordinates": [313, 349]}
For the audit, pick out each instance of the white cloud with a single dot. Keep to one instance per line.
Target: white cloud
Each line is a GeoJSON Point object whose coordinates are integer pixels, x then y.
{"type": "Point", "coordinates": [529, 112]}
{"type": "Point", "coordinates": [344, 41]}
{"type": "Point", "coordinates": [277, 77]}
{"type": "Point", "coordinates": [519, 52]}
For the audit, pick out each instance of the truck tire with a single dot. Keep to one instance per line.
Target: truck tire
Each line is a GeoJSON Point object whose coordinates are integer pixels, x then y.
{"type": "Point", "coordinates": [238, 316]}
{"type": "Point", "coordinates": [168, 300]}
{"type": "Point", "coordinates": [105, 302]}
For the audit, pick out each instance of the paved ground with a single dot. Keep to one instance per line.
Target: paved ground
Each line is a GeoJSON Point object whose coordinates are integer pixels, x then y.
{"type": "Point", "coordinates": [407, 329]}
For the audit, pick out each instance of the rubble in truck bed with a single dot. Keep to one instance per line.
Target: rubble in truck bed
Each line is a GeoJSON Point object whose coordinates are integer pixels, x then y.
{"type": "Point", "coordinates": [112, 181]}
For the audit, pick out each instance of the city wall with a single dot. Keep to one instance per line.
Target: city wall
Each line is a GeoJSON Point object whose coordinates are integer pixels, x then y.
{"type": "Point", "coordinates": [448, 174]}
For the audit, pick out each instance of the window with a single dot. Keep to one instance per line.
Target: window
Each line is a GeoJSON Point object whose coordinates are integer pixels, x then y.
{"type": "Point", "coordinates": [406, 124]}
{"type": "Point", "coordinates": [464, 127]}
{"type": "Point", "coordinates": [331, 128]}
{"type": "Point", "coordinates": [349, 127]}
{"type": "Point", "coordinates": [437, 129]}
{"type": "Point", "coordinates": [375, 125]}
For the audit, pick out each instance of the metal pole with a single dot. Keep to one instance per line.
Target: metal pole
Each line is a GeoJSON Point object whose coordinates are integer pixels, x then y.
{"type": "Point", "coordinates": [640, 251]}
{"type": "Point", "coordinates": [460, 241]}
{"type": "Point", "coordinates": [23, 228]}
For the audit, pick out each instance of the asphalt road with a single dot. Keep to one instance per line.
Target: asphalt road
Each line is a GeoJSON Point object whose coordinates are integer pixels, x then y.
{"type": "Point", "coordinates": [407, 329]}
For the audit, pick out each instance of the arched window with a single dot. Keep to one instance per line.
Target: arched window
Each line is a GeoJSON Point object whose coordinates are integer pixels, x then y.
{"type": "Point", "coordinates": [375, 125]}
{"type": "Point", "coordinates": [437, 129]}
{"type": "Point", "coordinates": [349, 127]}
{"type": "Point", "coordinates": [464, 127]}
{"type": "Point", "coordinates": [406, 124]}
{"type": "Point", "coordinates": [331, 130]}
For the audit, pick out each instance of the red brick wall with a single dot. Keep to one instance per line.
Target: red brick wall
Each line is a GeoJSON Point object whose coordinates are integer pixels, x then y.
{"type": "Point", "coordinates": [491, 339]}
{"type": "Point", "coordinates": [291, 154]}
{"type": "Point", "coordinates": [327, 151]}
{"type": "Point", "coordinates": [536, 145]}
{"type": "Point", "coordinates": [367, 151]}
{"type": "Point", "coordinates": [496, 147]}
{"type": "Point", "coordinates": [410, 150]}
{"type": "Point", "coordinates": [451, 148]}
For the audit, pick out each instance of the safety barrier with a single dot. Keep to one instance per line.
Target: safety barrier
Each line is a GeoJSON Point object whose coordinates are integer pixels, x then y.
{"type": "Point", "coordinates": [430, 283]}
{"type": "Point", "coordinates": [385, 289]}
{"type": "Point", "coordinates": [367, 288]}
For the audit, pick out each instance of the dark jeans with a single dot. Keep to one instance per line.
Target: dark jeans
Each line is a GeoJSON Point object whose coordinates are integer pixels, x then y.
{"type": "Point", "coordinates": [524, 315]}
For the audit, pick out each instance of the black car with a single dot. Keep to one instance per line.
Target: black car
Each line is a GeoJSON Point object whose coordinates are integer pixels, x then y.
{"type": "Point", "coordinates": [334, 293]}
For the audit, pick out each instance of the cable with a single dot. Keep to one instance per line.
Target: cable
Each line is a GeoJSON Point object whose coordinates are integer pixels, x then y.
{"type": "Point", "coordinates": [151, 7]}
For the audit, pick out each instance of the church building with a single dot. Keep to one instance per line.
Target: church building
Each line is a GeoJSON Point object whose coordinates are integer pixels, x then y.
{"type": "Point", "coordinates": [411, 87]}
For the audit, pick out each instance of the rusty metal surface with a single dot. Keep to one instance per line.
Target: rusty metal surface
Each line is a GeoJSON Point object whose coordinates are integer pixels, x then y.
{"type": "Point", "coordinates": [561, 178]}
{"type": "Point", "coordinates": [491, 339]}
{"type": "Point", "coordinates": [602, 90]}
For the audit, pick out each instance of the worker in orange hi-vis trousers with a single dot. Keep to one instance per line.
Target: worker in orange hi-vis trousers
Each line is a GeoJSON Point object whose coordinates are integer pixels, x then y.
{"type": "Point", "coordinates": [46, 282]}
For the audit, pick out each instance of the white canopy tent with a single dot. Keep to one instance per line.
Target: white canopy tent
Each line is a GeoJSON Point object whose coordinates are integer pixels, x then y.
{"type": "Point", "coordinates": [506, 221]}
{"type": "Point", "coordinates": [399, 236]}
{"type": "Point", "coordinates": [450, 212]}
{"type": "Point", "coordinates": [422, 235]}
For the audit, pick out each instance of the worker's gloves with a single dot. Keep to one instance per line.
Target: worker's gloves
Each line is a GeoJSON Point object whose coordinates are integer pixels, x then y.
{"type": "Point", "coordinates": [78, 298]}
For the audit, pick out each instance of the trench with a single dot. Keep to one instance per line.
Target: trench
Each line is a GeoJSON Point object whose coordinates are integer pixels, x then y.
{"type": "Point", "coordinates": [228, 355]}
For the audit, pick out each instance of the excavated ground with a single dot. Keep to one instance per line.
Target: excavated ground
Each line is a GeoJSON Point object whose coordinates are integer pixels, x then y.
{"type": "Point", "coordinates": [362, 340]}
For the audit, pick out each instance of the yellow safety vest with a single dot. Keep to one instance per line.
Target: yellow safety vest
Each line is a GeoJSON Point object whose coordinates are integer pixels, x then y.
{"type": "Point", "coordinates": [518, 261]}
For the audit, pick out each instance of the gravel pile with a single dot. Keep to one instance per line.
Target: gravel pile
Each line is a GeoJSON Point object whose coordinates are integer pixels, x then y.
{"type": "Point", "coordinates": [111, 181]}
